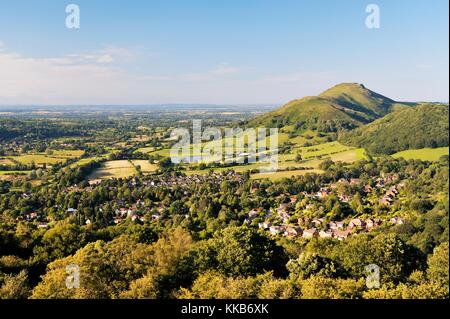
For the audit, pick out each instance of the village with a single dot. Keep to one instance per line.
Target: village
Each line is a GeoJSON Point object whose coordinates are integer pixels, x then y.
{"type": "Point", "coordinates": [289, 218]}
{"type": "Point", "coordinates": [282, 221]}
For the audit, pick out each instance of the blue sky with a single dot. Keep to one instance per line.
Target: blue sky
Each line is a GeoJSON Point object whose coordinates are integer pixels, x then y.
{"type": "Point", "coordinates": [233, 51]}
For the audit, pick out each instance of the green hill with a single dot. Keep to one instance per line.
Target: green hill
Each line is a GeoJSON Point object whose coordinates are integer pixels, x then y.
{"type": "Point", "coordinates": [417, 127]}
{"type": "Point", "coordinates": [346, 105]}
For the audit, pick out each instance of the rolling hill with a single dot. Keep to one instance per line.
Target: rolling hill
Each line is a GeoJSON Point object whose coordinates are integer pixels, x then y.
{"type": "Point", "coordinates": [346, 105]}
{"type": "Point", "coordinates": [418, 127]}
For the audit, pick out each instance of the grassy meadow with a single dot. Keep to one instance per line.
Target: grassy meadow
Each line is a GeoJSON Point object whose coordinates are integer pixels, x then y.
{"type": "Point", "coordinates": [424, 154]}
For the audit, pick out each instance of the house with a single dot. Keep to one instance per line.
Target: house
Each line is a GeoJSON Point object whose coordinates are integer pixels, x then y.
{"type": "Point", "coordinates": [368, 189]}
{"type": "Point", "coordinates": [317, 222]}
{"type": "Point", "coordinates": [34, 215]}
{"type": "Point", "coordinates": [392, 191]}
{"type": "Point", "coordinates": [310, 233]}
{"type": "Point", "coordinates": [71, 210]}
{"type": "Point", "coordinates": [283, 208]}
{"type": "Point", "coordinates": [43, 225]}
{"type": "Point", "coordinates": [386, 201]}
{"type": "Point", "coordinates": [325, 234]}
{"type": "Point", "coordinates": [293, 231]}
{"type": "Point", "coordinates": [332, 226]}
{"type": "Point", "coordinates": [94, 182]}
{"type": "Point", "coordinates": [344, 198]}
{"type": "Point", "coordinates": [341, 234]}
{"type": "Point", "coordinates": [284, 216]}
{"type": "Point", "coordinates": [380, 183]}
{"type": "Point", "coordinates": [370, 223]}
{"type": "Point", "coordinates": [357, 222]}
{"type": "Point", "coordinates": [397, 220]}
{"type": "Point", "coordinates": [88, 222]}
{"type": "Point", "coordinates": [117, 220]}
{"type": "Point", "coordinates": [253, 214]}
{"type": "Point", "coordinates": [275, 230]}
{"type": "Point", "coordinates": [264, 225]}
{"type": "Point", "coordinates": [323, 192]}
{"type": "Point", "coordinates": [340, 225]}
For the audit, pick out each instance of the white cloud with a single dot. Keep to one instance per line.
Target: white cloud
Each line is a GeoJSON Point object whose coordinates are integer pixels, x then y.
{"type": "Point", "coordinates": [224, 69]}
{"type": "Point", "coordinates": [96, 78]}
{"type": "Point", "coordinates": [219, 71]}
{"type": "Point", "coordinates": [106, 58]}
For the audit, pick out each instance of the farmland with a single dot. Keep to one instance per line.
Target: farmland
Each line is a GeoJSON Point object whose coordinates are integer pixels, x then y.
{"type": "Point", "coordinates": [114, 169]}
{"type": "Point", "coordinates": [145, 165]}
{"type": "Point", "coordinates": [60, 156]}
{"type": "Point", "coordinates": [424, 154]}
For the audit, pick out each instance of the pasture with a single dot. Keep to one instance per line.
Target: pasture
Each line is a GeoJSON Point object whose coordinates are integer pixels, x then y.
{"type": "Point", "coordinates": [114, 169]}
{"type": "Point", "coordinates": [424, 154]}
{"type": "Point", "coordinates": [146, 166]}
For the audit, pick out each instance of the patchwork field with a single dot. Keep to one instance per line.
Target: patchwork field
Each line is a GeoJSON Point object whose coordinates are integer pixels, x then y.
{"type": "Point", "coordinates": [311, 157]}
{"type": "Point", "coordinates": [424, 154]}
{"type": "Point", "coordinates": [114, 169]}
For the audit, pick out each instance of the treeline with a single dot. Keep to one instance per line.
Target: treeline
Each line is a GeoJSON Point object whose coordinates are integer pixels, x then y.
{"type": "Point", "coordinates": [238, 262]}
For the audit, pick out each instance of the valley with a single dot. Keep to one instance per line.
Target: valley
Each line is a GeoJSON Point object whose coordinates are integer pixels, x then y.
{"type": "Point", "coordinates": [354, 169]}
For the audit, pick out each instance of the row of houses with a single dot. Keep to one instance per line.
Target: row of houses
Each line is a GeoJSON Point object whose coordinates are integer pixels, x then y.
{"type": "Point", "coordinates": [333, 229]}
{"type": "Point", "coordinates": [186, 181]}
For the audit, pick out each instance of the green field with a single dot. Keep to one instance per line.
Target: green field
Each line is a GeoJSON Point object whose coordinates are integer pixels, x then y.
{"type": "Point", "coordinates": [67, 153]}
{"type": "Point", "coordinates": [146, 166]}
{"type": "Point", "coordinates": [114, 169]}
{"type": "Point", "coordinates": [424, 154]}
{"type": "Point", "coordinates": [283, 174]}
{"type": "Point", "coordinates": [145, 149]}
{"type": "Point", "coordinates": [38, 159]}
{"type": "Point", "coordinates": [14, 172]}
{"type": "Point", "coordinates": [83, 161]}
{"type": "Point", "coordinates": [312, 156]}
{"type": "Point", "coordinates": [57, 156]}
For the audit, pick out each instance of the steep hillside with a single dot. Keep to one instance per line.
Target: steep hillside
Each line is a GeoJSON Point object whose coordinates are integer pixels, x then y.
{"type": "Point", "coordinates": [417, 127]}
{"type": "Point", "coordinates": [345, 105]}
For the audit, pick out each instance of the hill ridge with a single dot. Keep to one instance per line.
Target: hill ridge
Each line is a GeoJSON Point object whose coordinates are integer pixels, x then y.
{"type": "Point", "coordinates": [348, 105]}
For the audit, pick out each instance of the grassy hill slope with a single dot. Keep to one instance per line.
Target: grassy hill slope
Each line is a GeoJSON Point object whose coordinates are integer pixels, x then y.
{"type": "Point", "coordinates": [345, 105]}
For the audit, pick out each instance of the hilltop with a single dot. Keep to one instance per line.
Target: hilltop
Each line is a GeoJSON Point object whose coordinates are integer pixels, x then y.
{"type": "Point", "coordinates": [417, 127]}
{"type": "Point", "coordinates": [346, 105]}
